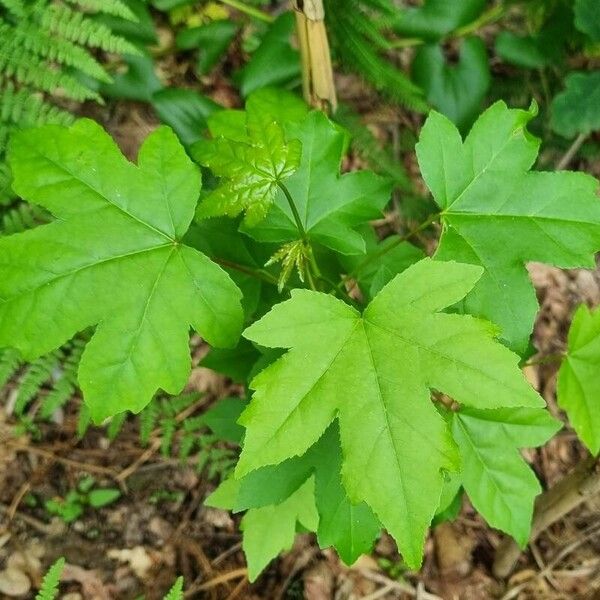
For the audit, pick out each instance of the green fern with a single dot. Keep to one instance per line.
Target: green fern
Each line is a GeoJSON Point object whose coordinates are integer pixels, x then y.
{"type": "Point", "coordinates": [10, 361]}
{"type": "Point", "coordinates": [49, 589]}
{"type": "Point", "coordinates": [176, 592]}
{"type": "Point", "coordinates": [43, 44]}
{"type": "Point", "coordinates": [357, 37]}
{"type": "Point", "coordinates": [369, 147]}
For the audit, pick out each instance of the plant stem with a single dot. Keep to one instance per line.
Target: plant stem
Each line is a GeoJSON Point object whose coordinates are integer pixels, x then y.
{"type": "Point", "coordinates": [256, 273]}
{"type": "Point", "coordinates": [424, 225]}
{"type": "Point", "coordinates": [294, 210]}
{"type": "Point", "coordinates": [249, 10]}
{"type": "Point", "coordinates": [564, 162]}
{"type": "Point", "coordinates": [493, 14]}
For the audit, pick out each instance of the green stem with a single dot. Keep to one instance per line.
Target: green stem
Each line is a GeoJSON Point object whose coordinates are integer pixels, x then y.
{"type": "Point", "coordinates": [373, 257]}
{"type": "Point", "coordinates": [294, 210]}
{"type": "Point", "coordinates": [256, 273]}
{"type": "Point", "coordinates": [491, 15]}
{"type": "Point", "coordinates": [549, 358]}
{"type": "Point", "coordinates": [249, 10]}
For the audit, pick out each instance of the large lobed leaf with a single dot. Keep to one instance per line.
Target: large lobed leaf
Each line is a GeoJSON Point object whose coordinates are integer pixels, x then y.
{"type": "Point", "coordinates": [387, 360]}
{"type": "Point", "coordinates": [578, 382]}
{"type": "Point", "coordinates": [499, 215]}
{"type": "Point", "coordinates": [113, 258]}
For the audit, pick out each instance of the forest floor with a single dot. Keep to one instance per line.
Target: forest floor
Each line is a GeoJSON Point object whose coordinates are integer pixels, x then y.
{"type": "Point", "coordinates": [159, 529]}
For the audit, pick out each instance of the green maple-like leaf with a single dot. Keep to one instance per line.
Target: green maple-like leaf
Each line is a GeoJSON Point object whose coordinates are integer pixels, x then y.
{"type": "Point", "coordinates": [374, 372]}
{"type": "Point", "coordinates": [350, 528]}
{"type": "Point", "coordinates": [578, 381]}
{"type": "Point", "coordinates": [271, 529]}
{"type": "Point", "coordinates": [330, 206]}
{"type": "Point", "coordinates": [575, 109]}
{"type": "Point", "coordinates": [252, 165]}
{"type": "Point", "coordinates": [499, 215]}
{"type": "Point", "coordinates": [113, 258]}
{"type": "Point", "coordinates": [498, 481]}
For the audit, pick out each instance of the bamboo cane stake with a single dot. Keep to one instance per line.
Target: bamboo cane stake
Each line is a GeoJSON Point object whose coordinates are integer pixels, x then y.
{"type": "Point", "coordinates": [317, 72]}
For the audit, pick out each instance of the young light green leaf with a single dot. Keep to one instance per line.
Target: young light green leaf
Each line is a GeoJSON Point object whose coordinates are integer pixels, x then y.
{"type": "Point", "coordinates": [575, 109]}
{"type": "Point", "coordinates": [498, 481]}
{"type": "Point", "coordinates": [499, 215]}
{"type": "Point", "coordinates": [252, 168]}
{"type": "Point", "coordinates": [113, 258]}
{"type": "Point", "coordinates": [272, 529]}
{"type": "Point", "coordinates": [578, 381]}
{"type": "Point", "coordinates": [388, 360]}
{"type": "Point", "coordinates": [330, 206]}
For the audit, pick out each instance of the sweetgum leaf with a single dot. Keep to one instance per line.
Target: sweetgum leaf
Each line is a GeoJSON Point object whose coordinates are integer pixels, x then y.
{"type": "Point", "coordinates": [499, 215]}
{"type": "Point", "coordinates": [350, 528]}
{"type": "Point", "coordinates": [388, 359]}
{"type": "Point", "coordinates": [113, 258]}
{"type": "Point", "coordinates": [498, 481]}
{"type": "Point", "coordinates": [578, 382]}
{"type": "Point", "coordinates": [251, 167]}
{"type": "Point", "coordinates": [575, 109]}
{"type": "Point", "coordinates": [271, 529]}
{"type": "Point", "coordinates": [330, 205]}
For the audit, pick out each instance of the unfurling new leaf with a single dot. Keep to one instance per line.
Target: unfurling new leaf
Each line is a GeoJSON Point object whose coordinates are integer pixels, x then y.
{"type": "Point", "coordinates": [252, 165]}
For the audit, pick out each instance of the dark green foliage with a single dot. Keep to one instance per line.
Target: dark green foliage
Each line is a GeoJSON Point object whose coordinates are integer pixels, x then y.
{"type": "Point", "coordinates": [360, 45]}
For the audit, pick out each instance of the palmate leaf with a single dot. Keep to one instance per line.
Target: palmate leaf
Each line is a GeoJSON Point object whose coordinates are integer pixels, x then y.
{"type": "Point", "coordinates": [113, 258]}
{"type": "Point", "coordinates": [330, 205]}
{"type": "Point", "coordinates": [575, 109]}
{"type": "Point", "coordinates": [499, 215]}
{"type": "Point", "coordinates": [495, 476]}
{"type": "Point", "coordinates": [350, 528]}
{"type": "Point", "coordinates": [252, 165]}
{"type": "Point", "coordinates": [271, 529]}
{"type": "Point", "coordinates": [578, 381]}
{"type": "Point", "coordinates": [387, 360]}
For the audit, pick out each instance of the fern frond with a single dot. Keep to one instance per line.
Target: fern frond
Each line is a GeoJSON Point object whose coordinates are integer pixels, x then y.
{"type": "Point", "coordinates": [368, 146]}
{"type": "Point", "coordinates": [21, 217]}
{"type": "Point", "coordinates": [29, 69]}
{"type": "Point", "coordinates": [78, 28]}
{"type": "Point", "coordinates": [115, 426]}
{"type": "Point", "coordinates": [36, 374]}
{"type": "Point", "coordinates": [38, 42]}
{"type": "Point", "coordinates": [10, 361]}
{"type": "Point", "coordinates": [176, 592]}
{"type": "Point", "coordinates": [27, 108]}
{"type": "Point", "coordinates": [359, 44]}
{"type": "Point", "coordinates": [7, 196]}
{"type": "Point", "coordinates": [49, 589]}
{"type": "Point", "coordinates": [66, 385]}
{"type": "Point", "coordinates": [15, 7]}
{"type": "Point", "coordinates": [148, 419]}
{"type": "Point", "coordinates": [107, 7]}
